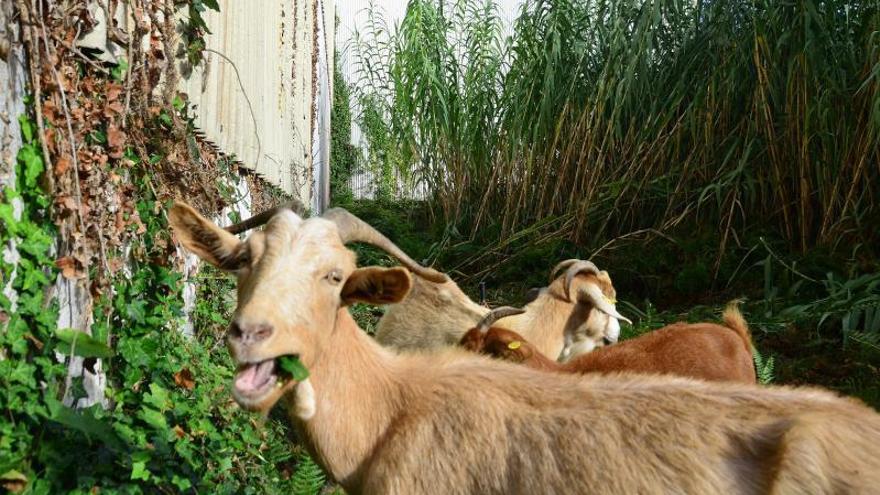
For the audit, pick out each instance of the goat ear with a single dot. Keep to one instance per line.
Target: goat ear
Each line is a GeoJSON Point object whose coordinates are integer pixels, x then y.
{"type": "Point", "coordinates": [201, 236]}
{"type": "Point", "coordinates": [376, 285]}
{"type": "Point", "coordinates": [533, 294]}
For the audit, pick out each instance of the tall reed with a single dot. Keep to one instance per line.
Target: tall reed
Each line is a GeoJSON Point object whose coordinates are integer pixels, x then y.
{"type": "Point", "coordinates": [600, 117]}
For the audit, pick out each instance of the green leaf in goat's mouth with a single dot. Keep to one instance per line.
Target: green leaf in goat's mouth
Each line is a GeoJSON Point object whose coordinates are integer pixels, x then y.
{"type": "Point", "coordinates": [292, 366]}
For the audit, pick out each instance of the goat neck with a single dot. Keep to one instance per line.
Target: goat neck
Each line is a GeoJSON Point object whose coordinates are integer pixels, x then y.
{"type": "Point", "coordinates": [357, 399]}
{"type": "Point", "coordinates": [548, 320]}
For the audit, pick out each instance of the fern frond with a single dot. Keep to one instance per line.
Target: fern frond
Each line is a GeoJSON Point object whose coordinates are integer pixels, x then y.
{"type": "Point", "coordinates": [308, 478]}
{"type": "Point", "coordinates": [763, 367]}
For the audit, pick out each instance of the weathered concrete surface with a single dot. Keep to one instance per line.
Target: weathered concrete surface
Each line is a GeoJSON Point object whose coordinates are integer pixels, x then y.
{"type": "Point", "coordinates": [13, 77]}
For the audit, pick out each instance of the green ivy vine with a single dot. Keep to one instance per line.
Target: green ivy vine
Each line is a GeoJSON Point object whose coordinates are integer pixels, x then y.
{"type": "Point", "coordinates": [172, 426]}
{"type": "Point", "coordinates": [29, 375]}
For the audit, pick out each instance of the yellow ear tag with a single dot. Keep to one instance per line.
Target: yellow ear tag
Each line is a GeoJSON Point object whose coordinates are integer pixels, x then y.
{"type": "Point", "coordinates": [514, 345]}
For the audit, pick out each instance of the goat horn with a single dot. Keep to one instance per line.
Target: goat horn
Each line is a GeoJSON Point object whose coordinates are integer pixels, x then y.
{"type": "Point", "coordinates": [574, 269]}
{"type": "Point", "coordinates": [495, 315]}
{"type": "Point", "coordinates": [594, 295]}
{"type": "Point", "coordinates": [562, 265]}
{"type": "Point", "coordinates": [261, 218]}
{"type": "Point", "coordinates": [353, 229]}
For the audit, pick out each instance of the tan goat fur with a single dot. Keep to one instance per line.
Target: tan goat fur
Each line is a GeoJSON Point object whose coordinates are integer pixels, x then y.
{"type": "Point", "coordinates": [436, 315]}
{"type": "Point", "coordinates": [455, 422]}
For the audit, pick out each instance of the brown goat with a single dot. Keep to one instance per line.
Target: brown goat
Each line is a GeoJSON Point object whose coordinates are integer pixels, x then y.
{"type": "Point", "coordinates": [452, 421]}
{"type": "Point", "coordinates": [698, 350]}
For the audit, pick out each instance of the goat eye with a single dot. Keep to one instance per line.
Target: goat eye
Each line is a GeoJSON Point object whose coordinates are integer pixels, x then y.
{"type": "Point", "coordinates": [334, 277]}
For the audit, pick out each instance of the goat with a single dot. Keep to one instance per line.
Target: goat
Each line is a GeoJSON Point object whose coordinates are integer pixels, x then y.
{"type": "Point", "coordinates": [437, 314]}
{"type": "Point", "coordinates": [701, 350]}
{"type": "Point", "coordinates": [452, 421]}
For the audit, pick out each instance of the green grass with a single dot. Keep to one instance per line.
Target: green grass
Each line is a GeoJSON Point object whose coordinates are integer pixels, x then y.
{"type": "Point", "coordinates": [599, 118]}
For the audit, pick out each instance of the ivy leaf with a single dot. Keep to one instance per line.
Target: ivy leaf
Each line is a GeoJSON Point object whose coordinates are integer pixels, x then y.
{"type": "Point", "coordinates": [211, 4]}
{"type": "Point", "coordinates": [195, 16]}
{"type": "Point", "coordinates": [168, 278]}
{"type": "Point", "coordinates": [182, 484]}
{"type": "Point", "coordinates": [139, 471]}
{"type": "Point", "coordinates": [85, 422]}
{"type": "Point", "coordinates": [98, 136]}
{"type": "Point", "coordinates": [154, 418]}
{"type": "Point", "coordinates": [83, 345]}
{"type": "Point", "coordinates": [294, 366]}
{"type": "Point", "coordinates": [7, 216]}
{"type": "Point", "coordinates": [120, 70]}
{"type": "Point", "coordinates": [136, 310]}
{"type": "Point", "coordinates": [27, 128]}
{"type": "Point", "coordinates": [33, 164]}
{"type": "Point", "coordinates": [165, 119]}
{"type": "Point", "coordinates": [131, 155]}
{"type": "Point", "coordinates": [158, 397]}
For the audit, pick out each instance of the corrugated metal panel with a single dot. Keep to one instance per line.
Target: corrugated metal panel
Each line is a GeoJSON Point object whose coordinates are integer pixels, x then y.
{"type": "Point", "coordinates": [253, 92]}
{"type": "Point", "coordinates": [323, 69]}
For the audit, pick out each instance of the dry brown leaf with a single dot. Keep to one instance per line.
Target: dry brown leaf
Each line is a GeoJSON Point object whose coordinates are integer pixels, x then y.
{"type": "Point", "coordinates": [160, 243]}
{"type": "Point", "coordinates": [184, 378]}
{"type": "Point", "coordinates": [116, 140]}
{"type": "Point", "coordinates": [116, 264]}
{"type": "Point", "coordinates": [62, 165]}
{"type": "Point", "coordinates": [77, 113]}
{"type": "Point", "coordinates": [88, 84]}
{"type": "Point", "coordinates": [68, 267]}
{"type": "Point", "coordinates": [37, 343]}
{"type": "Point", "coordinates": [119, 223]}
{"type": "Point", "coordinates": [66, 202]}
{"type": "Point", "coordinates": [50, 111]}
{"type": "Point", "coordinates": [113, 91]}
{"type": "Point", "coordinates": [50, 61]}
{"type": "Point", "coordinates": [49, 134]}
{"type": "Point", "coordinates": [136, 219]}
{"type": "Point", "coordinates": [112, 109]}
{"type": "Point", "coordinates": [178, 431]}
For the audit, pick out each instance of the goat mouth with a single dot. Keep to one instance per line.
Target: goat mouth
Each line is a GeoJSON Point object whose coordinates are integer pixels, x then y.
{"type": "Point", "coordinates": [258, 379]}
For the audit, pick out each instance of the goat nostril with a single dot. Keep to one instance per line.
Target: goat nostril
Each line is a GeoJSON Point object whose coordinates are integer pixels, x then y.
{"type": "Point", "coordinates": [261, 332]}
{"type": "Point", "coordinates": [247, 333]}
{"type": "Point", "coordinates": [234, 330]}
